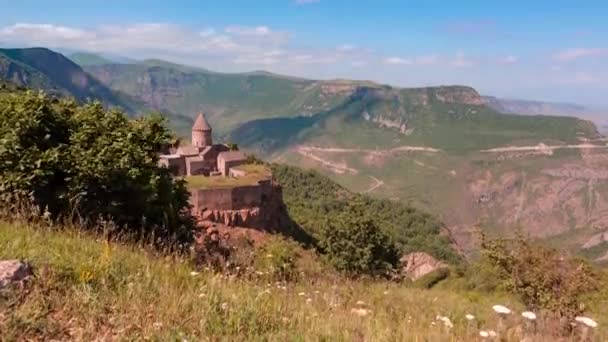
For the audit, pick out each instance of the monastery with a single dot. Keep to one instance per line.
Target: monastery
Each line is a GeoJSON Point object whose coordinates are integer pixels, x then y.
{"type": "Point", "coordinates": [203, 157]}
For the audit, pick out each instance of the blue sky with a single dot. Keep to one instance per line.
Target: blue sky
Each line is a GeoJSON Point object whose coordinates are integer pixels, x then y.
{"type": "Point", "coordinates": [550, 50]}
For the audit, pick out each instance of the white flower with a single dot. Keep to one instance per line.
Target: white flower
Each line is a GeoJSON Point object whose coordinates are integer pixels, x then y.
{"type": "Point", "coordinates": [360, 312]}
{"type": "Point", "coordinates": [492, 333]}
{"type": "Point", "coordinates": [194, 273]}
{"type": "Point", "coordinates": [484, 334]}
{"type": "Point", "coordinates": [446, 321]}
{"type": "Point", "coordinates": [469, 317]}
{"type": "Point", "coordinates": [502, 310]}
{"type": "Point", "coordinates": [302, 294]}
{"type": "Point", "coordinates": [224, 306]}
{"type": "Point", "coordinates": [586, 321]}
{"type": "Point", "coordinates": [529, 315]}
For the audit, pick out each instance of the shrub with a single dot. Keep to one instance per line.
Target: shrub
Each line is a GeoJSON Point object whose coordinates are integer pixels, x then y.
{"type": "Point", "coordinates": [88, 163]}
{"type": "Point", "coordinates": [429, 280]}
{"type": "Point", "coordinates": [354, 245]}
{"type": "Point", "coordinates": [277, 259]}
{"type": "Point", "coordinates": [542, 277]}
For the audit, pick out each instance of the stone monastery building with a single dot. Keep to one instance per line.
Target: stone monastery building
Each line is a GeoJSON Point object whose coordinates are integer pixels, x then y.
{"type": "Point", "coordinates": [203, 157]}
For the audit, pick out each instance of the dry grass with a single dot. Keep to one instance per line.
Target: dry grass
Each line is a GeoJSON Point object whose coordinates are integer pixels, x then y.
{"type": "Point", "coordinates": [255, 173]}
{"type": "Point", "coordinates": [87, 289]}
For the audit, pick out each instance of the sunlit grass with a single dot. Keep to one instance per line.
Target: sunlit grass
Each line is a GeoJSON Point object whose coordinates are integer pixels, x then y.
{"type": "Point", "coordinates": [254, 174]}
{"type": "Point", "coordinates": [86, 288]}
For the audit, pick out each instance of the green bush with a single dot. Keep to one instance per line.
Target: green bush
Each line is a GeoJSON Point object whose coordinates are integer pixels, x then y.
{"type": "Point", "coordinates": [429, 280]}
{"type": "Point", "coordinates": [277, 258]}
{"type": "Point", "coordinates": [354, 245]}
{"type": "Point", "coordinates": [542, 277]}
{"type": "Point", "coordinates": [88, 163]}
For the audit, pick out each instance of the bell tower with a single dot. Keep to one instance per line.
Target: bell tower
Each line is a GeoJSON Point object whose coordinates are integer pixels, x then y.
{"type": "Point", "coordinates": [201, 132]}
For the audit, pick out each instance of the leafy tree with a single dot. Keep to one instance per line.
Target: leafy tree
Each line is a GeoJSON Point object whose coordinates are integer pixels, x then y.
{"type": "Point", "coordinates": [92, 163]}
{"type": "Point", "coordinates": [353, 244]}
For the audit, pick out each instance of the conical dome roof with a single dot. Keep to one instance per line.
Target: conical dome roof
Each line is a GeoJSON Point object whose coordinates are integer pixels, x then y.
{"type": "Point", "coordinates": [201, 123]}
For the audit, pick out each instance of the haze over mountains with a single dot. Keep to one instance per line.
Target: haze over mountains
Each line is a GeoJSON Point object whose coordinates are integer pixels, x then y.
{"type": "Point", "coordinates": [445, 149]}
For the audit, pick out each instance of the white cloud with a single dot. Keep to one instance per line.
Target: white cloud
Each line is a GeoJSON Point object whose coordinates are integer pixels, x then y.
{"type": "Point", "coordinates": [427, 60]}
{"type": "Point", "coordinates": [346, 48]}
{"type": "Point", "coordinates": [462, 61]}
{"type": "Point", "coordinates": [509, 59]}
{"type": "Point", "coordinates": [397, 61]}
{"type": "Point", "coordinates": [578, 53]}
{"type": "Point", "coordinates": [358, 64]}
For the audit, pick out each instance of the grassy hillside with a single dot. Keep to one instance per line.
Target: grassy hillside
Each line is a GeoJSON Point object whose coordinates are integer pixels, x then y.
{"type": "Point", "coordinates": [88, 289]}
{"type": "Point", "coordinates": [312, 198]}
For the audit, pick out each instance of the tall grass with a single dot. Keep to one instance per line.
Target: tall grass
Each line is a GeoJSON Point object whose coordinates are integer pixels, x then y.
{"type": "Point", "coordinates": [86, 288]}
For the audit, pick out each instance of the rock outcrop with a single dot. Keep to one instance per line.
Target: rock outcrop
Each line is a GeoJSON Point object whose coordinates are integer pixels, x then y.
{"type": "Point", "coordinates": [13, 271]}
{"type": "Point", "coordinates": [418, 264]}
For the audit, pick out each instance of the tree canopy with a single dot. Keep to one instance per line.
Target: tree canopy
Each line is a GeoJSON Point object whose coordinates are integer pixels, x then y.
{"type": "Point", "coordinates": [90, 163]}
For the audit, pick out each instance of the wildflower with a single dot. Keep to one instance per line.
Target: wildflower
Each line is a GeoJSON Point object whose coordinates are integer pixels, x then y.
{"type": "Point", "coordinates": [501, 310]}
{"type": "Point", "coordinates": [529, 315]}
{"type": "Point", "coordinates": [194, 273]}
{"type": "Point", "coordinates": [302, 294]}
{"type": "Point", "coordinates": [587, 324]}
{"type": "Point", "coordinates": [446, 321]}
{"type": "Point", "coordinates": [586, 321]}
{"type": "Point", "coordinates": [360, 302]}
{"type": "Point", "coordinates": [308, 300]}
{"type": "Point", "coordinates": [469, 317]}
{"type": "Point", "coordinates": [492, 333]}
{"type": "Point", "coordinates": [224, 306]}
{"type": "Point", "coordinates": [360, 312]}
{"type": "Point", "coordinates": [157, 325]}
{"type": "Point", "coordinates": [484, 334]}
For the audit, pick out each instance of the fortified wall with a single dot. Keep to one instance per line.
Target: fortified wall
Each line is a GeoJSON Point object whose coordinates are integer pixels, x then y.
{"type": "Point", "coordinates": [251, 206]}
{"type": "Point", "coordinates": [232, 198]}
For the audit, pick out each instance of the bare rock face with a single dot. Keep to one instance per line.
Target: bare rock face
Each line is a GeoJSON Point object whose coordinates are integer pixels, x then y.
{"type": "Point", "coordinates": [418, 264]}
{"type": "Point", "coordinates": [12, 271]}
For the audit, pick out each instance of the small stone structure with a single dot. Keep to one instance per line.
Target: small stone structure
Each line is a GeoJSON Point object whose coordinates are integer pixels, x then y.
{"type": "Point", "coordinates": [202, 157]}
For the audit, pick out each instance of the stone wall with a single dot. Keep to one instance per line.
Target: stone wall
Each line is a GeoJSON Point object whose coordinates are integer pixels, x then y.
{"type": "Point", "coordinates": [235, 198]}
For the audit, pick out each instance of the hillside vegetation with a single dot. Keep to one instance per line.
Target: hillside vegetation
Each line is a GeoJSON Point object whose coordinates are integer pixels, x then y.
{"type": "Point", "coordinates": [313, 199]}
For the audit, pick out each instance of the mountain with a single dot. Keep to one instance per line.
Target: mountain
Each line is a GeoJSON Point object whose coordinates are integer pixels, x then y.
{"type": "Point", "coordinates": [41, 68]}
{"type": "Point", "coordinates": [527, 107]}
{"type": "Point", "coordinates": [228, 99]}
{"type": "Point", "coordinates": [445, 149]}
{"type": "Point", "coordinates": [85, 58]}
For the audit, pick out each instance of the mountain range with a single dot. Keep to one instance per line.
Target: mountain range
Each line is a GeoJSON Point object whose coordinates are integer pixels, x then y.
{"type": "Point", "coordinates": [471, 160]}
